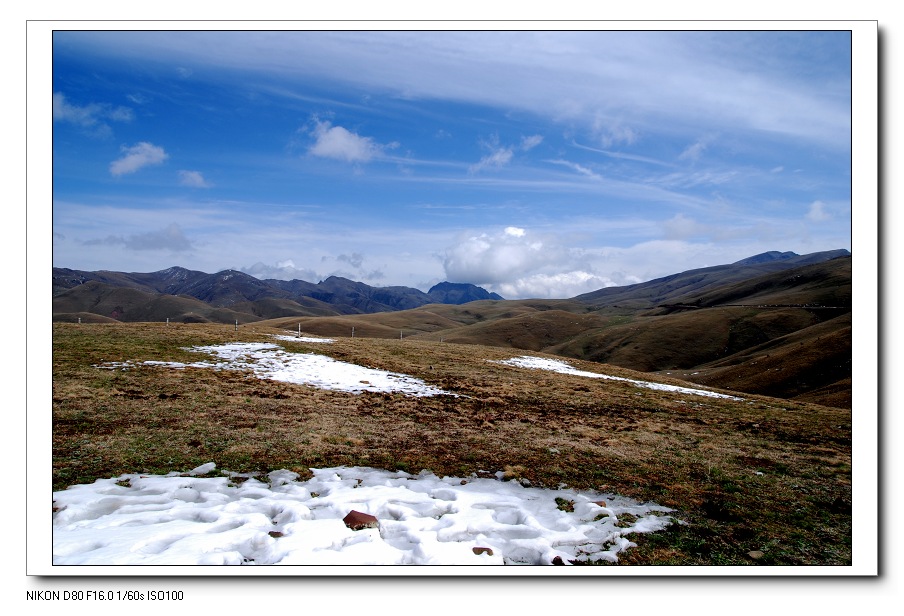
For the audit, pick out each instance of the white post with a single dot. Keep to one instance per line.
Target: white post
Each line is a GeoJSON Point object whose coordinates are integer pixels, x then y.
{"type": "Point", "coordinates": [167, 320]}
{"type": "Point", "coordinates": [353, 332]}
{"type": "Point", "coordinates": [299, 330]}
{"type": "Point", "coordinates": [400, 334]}
{"type": "Point", "coordinates": [236, 325]}
{"type": "Point", "coordinates": [80, 320]}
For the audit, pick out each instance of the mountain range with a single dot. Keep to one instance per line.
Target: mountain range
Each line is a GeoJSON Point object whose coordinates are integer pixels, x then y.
{"type": "Point", "coordinates": [776, 324]}
{"type": "Point", "coordinates": [186, 295]}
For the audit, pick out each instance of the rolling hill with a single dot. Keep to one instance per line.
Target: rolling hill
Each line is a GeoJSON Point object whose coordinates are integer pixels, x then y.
{"type": "Point", "coordinates": [784, 334]}
{"type": "Point", "coordinates": [776, 324]}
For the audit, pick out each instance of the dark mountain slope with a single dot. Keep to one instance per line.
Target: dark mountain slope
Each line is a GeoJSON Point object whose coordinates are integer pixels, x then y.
{"type": "Point", "coordinates": [459, 293]}
{"type": "Point", "coordinates": [812, 364]}
{"type": "Point", "coordinates": [767, 257]}
{"type": "Point", "coordinates": [826, 284]}
{"type": "Point", "coordinates": [231, 288]}
{"type": "Point", "coordinates": [275, 307]}
{"type": "Point", "coordinates": [367, 299]}
{"type": "Point", "coordinates": [679, 287]}
{"type": "Point", "coordinates": [131, 305]}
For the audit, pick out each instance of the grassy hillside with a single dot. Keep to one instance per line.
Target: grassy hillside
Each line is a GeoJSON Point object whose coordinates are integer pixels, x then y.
{"type": "Point", "coordinates": [800, 316]}
{"type": "Point", "coordinates": [130, 305]}
{"type": "Point", "coordinates": [812, 364]}
{"type": "Point", "coordinates": [760, 476]}
{"type": "Point", "coordinates": [718, 324]}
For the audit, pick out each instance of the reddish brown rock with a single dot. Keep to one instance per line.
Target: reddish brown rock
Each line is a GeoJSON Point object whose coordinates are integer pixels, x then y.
{"type": "Point", "coordinates": [480, 551]}
{"type": "Point", "coordinates": [356, 520]}
{"type": "Point", "coordinates": [600, 503]}
{"type": "Point", "coordinates": [558, 561]}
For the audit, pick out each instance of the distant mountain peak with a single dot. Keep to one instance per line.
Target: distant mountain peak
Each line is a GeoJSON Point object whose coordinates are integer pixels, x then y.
{"type": "Point", "coordinates": [766, 257]}
{"type": "Point", "coordinates": [459, 293]}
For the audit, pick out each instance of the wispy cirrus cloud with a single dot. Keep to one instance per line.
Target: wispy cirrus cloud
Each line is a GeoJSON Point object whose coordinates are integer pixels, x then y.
{"type": "Point", "coordinates": [193, 179]}
{"type": "Point", "coordinates": [137, 156]}
{"type": "Point", "coordinates": [530, 142]}
{"type": "Point", "coordinates": [609, 133]}
{"type": "Point", "coordinates": [499, 155]}
{"type": "Point", "coordinates": [693, 152]}
{"type": "Point", "coordinates": [577, 167]}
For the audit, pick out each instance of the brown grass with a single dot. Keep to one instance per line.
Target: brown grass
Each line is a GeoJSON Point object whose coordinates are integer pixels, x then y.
{"type": "Point", "coordinates": [762, 474]}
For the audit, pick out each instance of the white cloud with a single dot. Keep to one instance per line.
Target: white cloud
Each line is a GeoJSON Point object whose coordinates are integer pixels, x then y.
{"type": "Point", "coordinates": [680, 227]}
{"type": "Point", "coordinates": [818, 212]}
{"type": "Point", "coordinates": [193, 179]}
{"type": "Point", "coordinates": [553, 286]}
{"type": "Point", "coordinates": [499, 157]}
{"type": "Point", "coordinates": [283, 270]}
{"type": "Point", "coordinates": [579, 168]}
{"type": "Point", "coordinates": [515, 231]}
{"type": "Point", "coordinates": [341, 144]}
{"type": "Point", "coordinates": [694, 151]}
{"type": "Point", "coordinates": [610, 133]}
{"type": "Point", "coordinates": [89, 116]}
{"type": "Point", "coordinates": [494, 258]}
{"type": "Point", "coordinates": [529, 143]}
{"type": "Point", "coordinates": [139, 155]}
{"type": "Point", "coordinates": [66, 112]}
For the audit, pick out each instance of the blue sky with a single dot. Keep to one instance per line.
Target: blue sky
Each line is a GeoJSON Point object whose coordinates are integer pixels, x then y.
{"type": "Point", "coordinates": [534, 164]}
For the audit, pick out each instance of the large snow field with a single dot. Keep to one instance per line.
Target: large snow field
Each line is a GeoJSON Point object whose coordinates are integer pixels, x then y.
{"type": "Point", "coordinates": [270, 361]}
{"type": "Point", "coordinates": [277, 519]}
{"type": "Point", "coordinates": [554, 365]}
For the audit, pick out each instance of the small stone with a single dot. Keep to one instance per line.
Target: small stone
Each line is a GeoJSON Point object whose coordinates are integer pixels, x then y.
{"type": "Point", "coordinates": [755, 554]}
{"type": "Point", "coordinates": [600, 503]}
{"type": "Point", "coordinates": [356, 520]}
{"type": "Point", "coordinates": [480, 551]}
{"type": "Point", "coordinates": [557, 561]}
{"type": "Point", "coordinates": [275, 534]}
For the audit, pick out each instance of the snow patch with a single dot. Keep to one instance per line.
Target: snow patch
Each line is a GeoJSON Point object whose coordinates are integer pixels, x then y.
{"type": "Point", "coordinates": [180, 519]}
{"type": "Point", "coordinates": [553, 365]}
{"type": "Point", "coordinates": [293, 338]}
{"type": "Point", "coordinates": [270, 361]}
